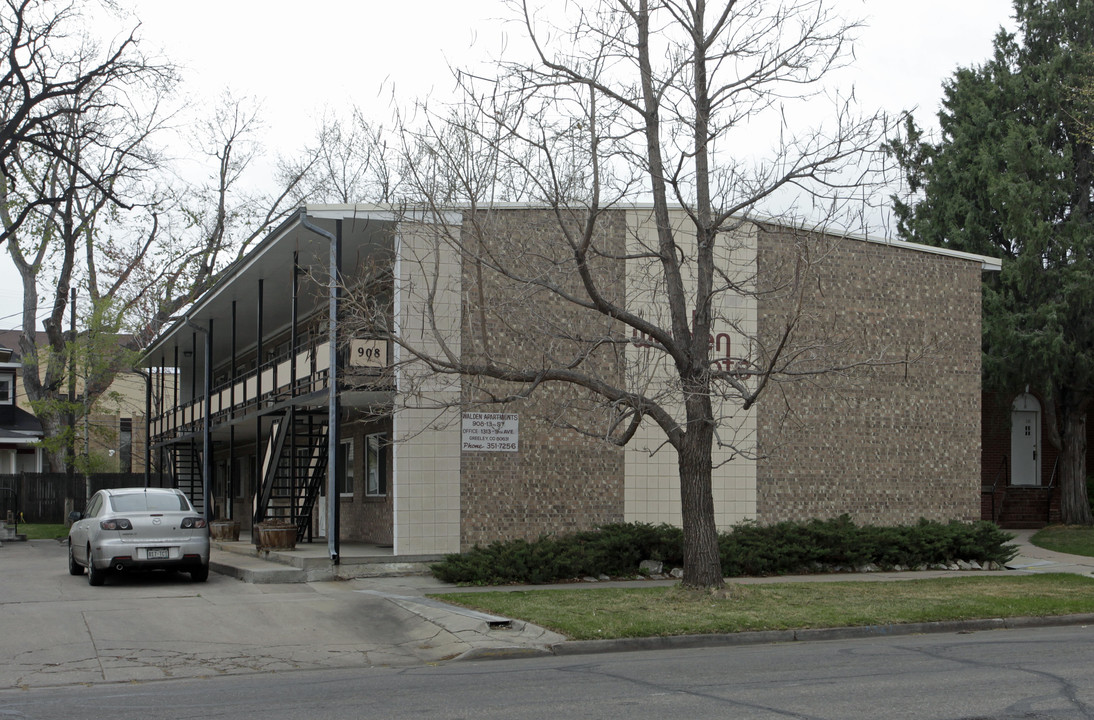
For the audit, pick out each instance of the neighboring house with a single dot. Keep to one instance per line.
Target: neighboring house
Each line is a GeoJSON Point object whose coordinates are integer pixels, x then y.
{"type": "Point", "coordinates": [410, 469]}
{"type": "Point", "coordinates": [19, 429]}
{"type": "Point", "coordinates": [115, 429]}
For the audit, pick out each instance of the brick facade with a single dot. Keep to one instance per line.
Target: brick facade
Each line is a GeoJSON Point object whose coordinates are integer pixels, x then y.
{"type": "Point", "coordinates": [559, 481]}
{"type": "Point", "coordinates": [888, 444]}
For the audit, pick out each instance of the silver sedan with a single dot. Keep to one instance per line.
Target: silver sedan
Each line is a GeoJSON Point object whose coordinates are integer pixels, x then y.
{"type": "Point", "coordinates": [138, 529]}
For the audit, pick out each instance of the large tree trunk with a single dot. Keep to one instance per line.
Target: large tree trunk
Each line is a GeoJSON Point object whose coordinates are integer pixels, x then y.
{"type": "Point", "coordinates": [702, 564]}
{"type": "Point", "coordinates": [1074, 504]}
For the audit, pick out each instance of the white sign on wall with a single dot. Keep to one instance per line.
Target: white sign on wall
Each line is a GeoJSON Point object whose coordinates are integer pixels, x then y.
{"type": "Point", "coordinates": [491, 432]}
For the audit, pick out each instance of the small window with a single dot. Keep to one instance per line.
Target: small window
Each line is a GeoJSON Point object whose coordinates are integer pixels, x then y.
{"type": "Point", "coordinates": [375, 468]}
{"type": "Point", "coordinates": [345, 478]}
{"type": "Point", "coordinates": [6, 389]}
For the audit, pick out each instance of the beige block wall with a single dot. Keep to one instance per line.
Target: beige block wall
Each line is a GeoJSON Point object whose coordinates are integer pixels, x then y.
{"type": "Point", "coordinates": [887, 444]}
{"type": "Point", "coordinates": [652, 491]}
{"type": "Point", "coordinates": [425, 423]}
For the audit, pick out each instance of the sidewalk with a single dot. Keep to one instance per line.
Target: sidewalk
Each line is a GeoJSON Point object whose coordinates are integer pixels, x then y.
{"type": "Point", "coordinates": [1033, 559]}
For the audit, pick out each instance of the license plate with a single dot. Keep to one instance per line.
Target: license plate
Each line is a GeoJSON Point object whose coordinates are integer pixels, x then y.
{"type": "Point", "coordinates": [158, 553]}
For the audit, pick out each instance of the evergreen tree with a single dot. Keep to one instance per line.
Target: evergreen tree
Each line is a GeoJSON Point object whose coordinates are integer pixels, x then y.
{"type": "Point", "coordinates": [1012, 176]}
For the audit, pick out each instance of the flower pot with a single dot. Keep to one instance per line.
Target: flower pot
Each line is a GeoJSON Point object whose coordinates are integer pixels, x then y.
{"type": "Point", "coordinates": [224, 530]}
{"type": "Point", "coordinates": [275, 536]}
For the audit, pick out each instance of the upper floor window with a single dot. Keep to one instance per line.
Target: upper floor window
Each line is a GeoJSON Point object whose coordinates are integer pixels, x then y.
{"type": "Point", "coordinates": [7, 389]}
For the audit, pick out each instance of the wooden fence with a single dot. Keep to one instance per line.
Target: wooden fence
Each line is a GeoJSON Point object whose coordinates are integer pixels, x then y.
{"type": "Point", "coordinates": [40, 497]}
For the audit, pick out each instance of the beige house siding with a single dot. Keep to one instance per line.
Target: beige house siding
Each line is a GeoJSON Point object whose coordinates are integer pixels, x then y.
{"type": "Point", "coordinates": [886, 445]}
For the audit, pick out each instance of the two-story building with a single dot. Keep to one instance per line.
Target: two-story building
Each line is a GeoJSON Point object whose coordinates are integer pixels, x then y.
{"type": "Point", "coordinates": [293, 400]}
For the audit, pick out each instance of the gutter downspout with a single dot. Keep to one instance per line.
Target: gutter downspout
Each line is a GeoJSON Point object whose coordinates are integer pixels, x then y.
{"type": "Point", "coordinates": [332, 391]}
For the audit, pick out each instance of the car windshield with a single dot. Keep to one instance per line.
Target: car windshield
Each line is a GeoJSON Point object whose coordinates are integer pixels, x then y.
{"type": "Point", "coordinates": [147, 501]}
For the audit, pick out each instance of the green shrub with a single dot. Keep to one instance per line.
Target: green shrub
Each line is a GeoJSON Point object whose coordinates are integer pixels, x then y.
{"type": "Point", "coordinates": [747, 550]}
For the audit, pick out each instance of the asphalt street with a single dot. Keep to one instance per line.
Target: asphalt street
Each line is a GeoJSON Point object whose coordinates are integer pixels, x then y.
{"type": "Point", "coordinates": [1011, 674]}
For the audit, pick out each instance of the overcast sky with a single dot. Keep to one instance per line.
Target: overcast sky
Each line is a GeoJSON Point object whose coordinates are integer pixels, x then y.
{"type": "Point", "coordinates": [300, 59]}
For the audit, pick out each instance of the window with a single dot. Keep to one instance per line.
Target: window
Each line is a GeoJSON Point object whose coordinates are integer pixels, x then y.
{"type": "Point", "coordinates": [7, 385]}
{"type": "Point", "coordinates": [155, 502]}
{"type": "Point", "coordinates": [375, 469]}
{"type": "Point", "coordinates": [345, 462]}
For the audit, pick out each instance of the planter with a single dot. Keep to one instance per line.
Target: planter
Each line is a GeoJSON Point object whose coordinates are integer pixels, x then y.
{"type": "Point", "coordinates": [224, 530]}
{"type": "Point", "coordinates": [275, 536]}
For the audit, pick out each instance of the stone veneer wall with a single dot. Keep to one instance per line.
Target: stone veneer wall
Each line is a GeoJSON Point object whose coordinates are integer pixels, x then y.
{"type": "Point", "coordinates": [890, 444]}
{"type": "Point", "coordinates": [559, 481]}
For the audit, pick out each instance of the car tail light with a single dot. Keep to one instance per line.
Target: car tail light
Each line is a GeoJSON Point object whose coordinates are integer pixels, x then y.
{"type": "Point", "coordinates": [193, 522]}
{"type": "Point", "coordinates": [116, 524]}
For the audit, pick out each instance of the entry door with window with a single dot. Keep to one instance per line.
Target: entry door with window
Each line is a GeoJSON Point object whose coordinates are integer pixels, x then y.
{"type": "Point", "coordinates": [1025, 447]}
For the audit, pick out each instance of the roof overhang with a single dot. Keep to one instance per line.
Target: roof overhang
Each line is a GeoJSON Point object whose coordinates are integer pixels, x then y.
{"type": "Point", "coordinates": [367, 231]}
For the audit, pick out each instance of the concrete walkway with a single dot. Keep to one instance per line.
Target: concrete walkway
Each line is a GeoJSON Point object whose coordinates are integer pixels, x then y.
{"type": "Point", "coordinates": [1033, 559]}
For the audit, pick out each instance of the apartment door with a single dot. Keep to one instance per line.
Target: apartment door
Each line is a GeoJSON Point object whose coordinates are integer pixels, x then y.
{"type": "Point", "coordinates": [1025, 442]}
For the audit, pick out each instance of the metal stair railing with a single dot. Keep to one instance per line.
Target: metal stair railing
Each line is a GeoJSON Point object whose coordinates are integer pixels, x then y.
{"type": "Point", "coordinates": [315, 472]}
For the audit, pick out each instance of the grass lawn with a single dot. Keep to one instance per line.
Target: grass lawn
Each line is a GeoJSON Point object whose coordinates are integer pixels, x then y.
{"type": "Point", "coordinates": [643, 612]}
{"type": "Point", "coordinates": [1071, 539]}
{"type": "Point", "coordinates": [43, 531]}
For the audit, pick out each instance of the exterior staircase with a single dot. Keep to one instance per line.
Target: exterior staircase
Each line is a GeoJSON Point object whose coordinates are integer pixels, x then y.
{"type": "Point", "coordinates": [1028, 507]}
{"type": "Point", "coordinates": [186, 473]}
{"type": "Point", "coordinates": [293, 470]}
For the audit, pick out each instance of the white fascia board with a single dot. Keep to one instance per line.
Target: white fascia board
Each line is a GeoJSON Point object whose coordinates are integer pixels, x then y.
{"type": "Point", "coordinates": [987, 263]}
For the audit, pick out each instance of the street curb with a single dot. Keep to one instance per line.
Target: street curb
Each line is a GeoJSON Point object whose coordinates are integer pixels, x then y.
{"type": "Point", "coordinates": [769, 637]}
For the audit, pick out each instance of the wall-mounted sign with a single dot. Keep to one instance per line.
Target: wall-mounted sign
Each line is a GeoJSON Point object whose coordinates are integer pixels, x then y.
{"type": "Point", "coordinates": [368, 353]}
{"type": "Point", "coordinates": [491, 432]}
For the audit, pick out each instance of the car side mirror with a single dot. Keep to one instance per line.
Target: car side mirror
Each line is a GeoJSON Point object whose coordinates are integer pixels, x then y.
{"type": "Point", "coordinates": [75, 515]}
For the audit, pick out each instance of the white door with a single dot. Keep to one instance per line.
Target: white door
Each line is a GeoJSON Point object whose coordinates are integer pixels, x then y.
{"type": "Point", "coordinates": [1025, 447]}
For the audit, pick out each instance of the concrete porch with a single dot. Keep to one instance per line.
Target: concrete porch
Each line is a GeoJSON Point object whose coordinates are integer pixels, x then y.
{"type": "Point", "coordinates": [309, 562]}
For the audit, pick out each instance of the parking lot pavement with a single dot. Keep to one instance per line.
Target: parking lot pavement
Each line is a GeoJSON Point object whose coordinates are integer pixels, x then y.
{"type": "Point", "coordinates": [57, 630]}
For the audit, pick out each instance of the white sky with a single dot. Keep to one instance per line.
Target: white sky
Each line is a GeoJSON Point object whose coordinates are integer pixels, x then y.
{"type": "Point", "coordinates": [299, 59]}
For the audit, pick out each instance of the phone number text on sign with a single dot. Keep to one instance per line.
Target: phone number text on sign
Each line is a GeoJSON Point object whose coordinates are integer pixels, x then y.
{"type": "Point", "coordinates": [491, 432]}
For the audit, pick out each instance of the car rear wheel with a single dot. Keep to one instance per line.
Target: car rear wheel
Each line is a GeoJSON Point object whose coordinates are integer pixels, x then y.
{"type": "Point", "coordinates": [199, 574]}
{"type": "Point", "coordinates": [95, 576]}
{"type": "Point", "coordinates": [74, 568]}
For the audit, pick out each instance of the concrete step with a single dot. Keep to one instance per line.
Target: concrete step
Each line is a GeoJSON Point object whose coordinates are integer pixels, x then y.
{"type": "Point", "coordinates": [310, 562]}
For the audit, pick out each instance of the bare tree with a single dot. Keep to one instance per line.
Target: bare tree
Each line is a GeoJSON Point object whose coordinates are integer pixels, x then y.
{"type": "Point", "coordinates": [210, 222]}
{"type": "Point", "coordinates": [136, 266]}
{"type": "Point", "coordinates": [653, 102]}
{"type": "Point", "coordinates": [51, 74]}
{"type": "Point", "coordinates": [82, 149]}
{"type": "Point", "coordinates": [348, 163]}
